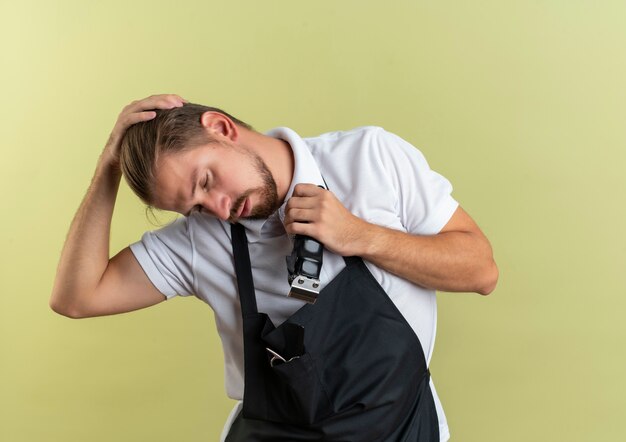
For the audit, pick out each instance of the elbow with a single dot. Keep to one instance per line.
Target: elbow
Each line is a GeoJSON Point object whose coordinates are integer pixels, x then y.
{"type": "Point", "coordinates": [63, 310]}
{"type": "Point", "coordinates": [489, 279]}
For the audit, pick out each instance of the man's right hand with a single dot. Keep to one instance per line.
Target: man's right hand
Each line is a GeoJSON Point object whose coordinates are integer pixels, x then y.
{"type": "Point", "coordinates": [136, 112]}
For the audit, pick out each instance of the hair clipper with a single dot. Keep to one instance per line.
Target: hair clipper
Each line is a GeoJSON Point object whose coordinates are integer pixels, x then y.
{"type": "Point", "coordinates": [304, 266]}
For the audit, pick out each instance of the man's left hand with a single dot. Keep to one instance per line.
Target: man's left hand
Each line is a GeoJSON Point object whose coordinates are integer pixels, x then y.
{"type": "Point", "coordinates": [316, 212]}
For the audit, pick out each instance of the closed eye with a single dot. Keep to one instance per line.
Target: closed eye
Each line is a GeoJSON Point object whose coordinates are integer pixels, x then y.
{"type": "Point", "coordinates": [206, 183]}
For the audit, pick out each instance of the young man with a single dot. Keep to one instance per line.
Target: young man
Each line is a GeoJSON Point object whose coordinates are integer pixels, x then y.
{"type": "Point", "coordinates": [354, 365]}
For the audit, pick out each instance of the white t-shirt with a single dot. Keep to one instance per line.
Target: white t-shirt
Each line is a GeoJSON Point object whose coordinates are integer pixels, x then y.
{"type": "Point", "coordinates": [377, 175]}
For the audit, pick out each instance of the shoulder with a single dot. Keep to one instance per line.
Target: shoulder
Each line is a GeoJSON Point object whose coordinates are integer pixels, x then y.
{"type": "Point", "coordinates": [178, 228]}
{"type": "Point", "coordinates": [182, 230]}
{"type": "Point", "coordinates": [357, 135]}
{"type": "Point", "coordinates": [364, 143]}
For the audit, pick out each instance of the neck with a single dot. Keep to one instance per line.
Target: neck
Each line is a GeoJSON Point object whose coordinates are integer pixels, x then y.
{"type": "Point", "coordinates": [277, 155]}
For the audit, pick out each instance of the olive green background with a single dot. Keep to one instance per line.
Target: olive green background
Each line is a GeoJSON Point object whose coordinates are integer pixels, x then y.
{"type": "Point", "coordinates": [521, 105]}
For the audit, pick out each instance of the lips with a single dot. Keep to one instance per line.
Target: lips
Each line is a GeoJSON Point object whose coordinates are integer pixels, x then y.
{"type": "Point", "coordinates": [244, 209]}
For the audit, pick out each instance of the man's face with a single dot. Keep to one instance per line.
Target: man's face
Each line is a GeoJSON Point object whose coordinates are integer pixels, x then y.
{"type": "Point", "coordinates": [227, 181]}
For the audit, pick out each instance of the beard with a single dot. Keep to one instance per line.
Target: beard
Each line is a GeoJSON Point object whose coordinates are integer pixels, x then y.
{"type": "Point", "coordinates": [268, 192]}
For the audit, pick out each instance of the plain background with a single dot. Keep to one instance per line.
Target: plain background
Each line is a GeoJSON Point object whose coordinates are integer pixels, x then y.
{"type": "Point", "coordinates": [521, 105]}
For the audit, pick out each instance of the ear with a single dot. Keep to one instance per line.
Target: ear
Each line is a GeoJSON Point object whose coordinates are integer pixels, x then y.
{"type": "Point", "coordinates": [219, 125]}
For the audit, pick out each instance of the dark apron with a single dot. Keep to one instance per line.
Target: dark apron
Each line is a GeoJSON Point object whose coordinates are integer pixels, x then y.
{"type": "Point", "coordinates": [354, 371]}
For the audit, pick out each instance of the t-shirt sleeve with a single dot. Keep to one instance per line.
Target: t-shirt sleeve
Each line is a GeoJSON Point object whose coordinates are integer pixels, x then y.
{"type": "Point", "coordinates": [424, 203]}
{"type": "Point", "coordinates": [166, 255]}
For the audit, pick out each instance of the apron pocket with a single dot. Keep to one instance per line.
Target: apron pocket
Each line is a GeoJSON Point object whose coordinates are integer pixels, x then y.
{"type": "Point", "coordinates": [304, 399]}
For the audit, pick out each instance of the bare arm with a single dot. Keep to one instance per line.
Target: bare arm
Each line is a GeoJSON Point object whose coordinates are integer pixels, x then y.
{"type": "Point", "coordinates": [457, 259]}
{"type": "Point", "coordinates": [85, 257]}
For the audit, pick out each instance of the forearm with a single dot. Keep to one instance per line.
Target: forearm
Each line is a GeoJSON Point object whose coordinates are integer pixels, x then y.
{"type": "Point", "coordinates": [449, 261]}
{"type": "Point", "coordinates": [458, 259]}
{"type": "Point", "coordinates": [85, 254]}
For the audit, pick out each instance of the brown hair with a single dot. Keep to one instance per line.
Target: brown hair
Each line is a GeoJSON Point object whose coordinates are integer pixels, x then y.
{"type": "Point", "coordinates": [172, 130]}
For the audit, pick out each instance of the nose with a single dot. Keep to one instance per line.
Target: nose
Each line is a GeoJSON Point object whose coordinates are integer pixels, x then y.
{"type": "Point", "coordinates": [218, 204]}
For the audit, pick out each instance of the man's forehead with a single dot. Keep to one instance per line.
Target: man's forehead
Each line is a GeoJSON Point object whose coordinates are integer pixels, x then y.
{"type": "Point", "coordinates": [173, 177]}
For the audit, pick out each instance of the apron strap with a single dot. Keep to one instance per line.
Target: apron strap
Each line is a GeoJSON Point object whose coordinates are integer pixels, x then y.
{"type": "Point", "coordinates": [352, 260]}
{"type": "Point", "coordinates": [243, 270]}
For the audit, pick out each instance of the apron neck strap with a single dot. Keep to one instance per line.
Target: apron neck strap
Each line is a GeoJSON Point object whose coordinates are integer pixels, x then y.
{"type": "Point", "coordinates": [352, 260]}
{"type": "Point", "coordinates": [243, 269]}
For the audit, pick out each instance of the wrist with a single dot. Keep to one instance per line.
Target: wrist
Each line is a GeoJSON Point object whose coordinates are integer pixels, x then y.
{"type": "Point", "coordinates": [364, 238]}
{"type": "Point", "coordinates": [109, 164]}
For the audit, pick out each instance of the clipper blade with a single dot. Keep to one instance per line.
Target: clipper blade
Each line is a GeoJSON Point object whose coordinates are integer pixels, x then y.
{"type": "Point", "coordinates": [305, 289]}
